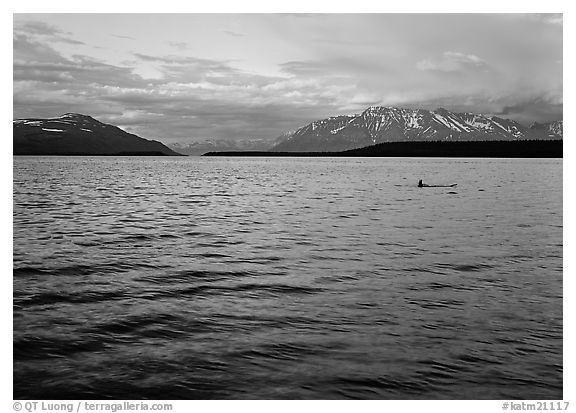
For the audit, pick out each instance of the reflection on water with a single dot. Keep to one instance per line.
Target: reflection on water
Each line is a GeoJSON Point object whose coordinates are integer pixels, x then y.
{"type": "Point", "coordinates": [287, 278]}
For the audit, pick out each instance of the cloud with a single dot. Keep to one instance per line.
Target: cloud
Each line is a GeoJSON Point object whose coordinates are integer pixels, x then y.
{"type": "Point", "coordinates": [119, 36]}
{"type": "Point", "coordinates": [180, 60]}
{"type": "Point", "coordinates": [554, 18]}
{"type": "Point", "coordinates": [177, 91]}
{"type": "Point", "coordinates": [543, 108]}
{"type": "Point", "coordinates": [453, 62]}
{"type": "Point", "coordinates": [47, 84]}
{"type": "Point", "coordinates": [38, 62]}
{"type": "Point", "coordinates": [232, 33]}
{"type": "Point", "coordinates": [527, 108]}
{"type": "Point", "coordinates": [44, 30]}
{"type": "Point", "coordinates": [175, 63]}
{"type": "Point", "coordinates": [547, 18]}
{"type": "Point", "coordinates": [38, 28]}
{"type": "Point", "coordinates": [190, 69]}
{"type": "Point", "coordinates": [178, 45]}
{"type": "Point", "coordinates": [26, 49]}
{"type": "Point", "coordinates": [195, 98]}
{"type": "Point", "coordinates": [303, 67]}
{"type": "Point", "coordinates": [191, 112]}
{"type": "Point", "coordinates": [43, 72]}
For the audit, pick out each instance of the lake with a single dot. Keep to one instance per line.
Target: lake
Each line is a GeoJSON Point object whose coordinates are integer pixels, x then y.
{"type": "Point", "coordinates": [287, 278]}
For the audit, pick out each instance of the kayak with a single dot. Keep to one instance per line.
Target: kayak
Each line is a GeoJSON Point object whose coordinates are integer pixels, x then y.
{"type": "Point", "coordinates": [438, 186]}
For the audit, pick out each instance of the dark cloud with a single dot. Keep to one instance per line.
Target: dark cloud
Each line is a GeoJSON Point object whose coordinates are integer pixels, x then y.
{"type": "Point", "coordinates": [79, 72]}
{"type": "Point", "coordinates": [27, 49]}
{"type": "Point", "coordinates": [48, 84]}
{"type": "Point", "coordinates": [38, 28]}
{"type": "Point", "coordinates": [46, 72]}
{"type": "Point", "coordinates": [541, 109]}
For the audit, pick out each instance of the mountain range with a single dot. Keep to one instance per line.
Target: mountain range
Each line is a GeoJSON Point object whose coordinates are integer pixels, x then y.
{"type": "Point", "coordinates": [379, 124]}
{"type": "Point", "coordinates": [76, 134]}
{"type": "Point", "coordinates": [216, 145]}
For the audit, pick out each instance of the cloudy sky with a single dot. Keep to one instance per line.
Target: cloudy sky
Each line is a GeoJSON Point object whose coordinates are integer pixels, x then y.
{"type": "Point", "coordinates": [186, 77]}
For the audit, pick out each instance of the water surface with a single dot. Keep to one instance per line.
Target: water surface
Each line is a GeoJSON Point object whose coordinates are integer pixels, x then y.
{"type": "Point", "coordinates": [287, 278]}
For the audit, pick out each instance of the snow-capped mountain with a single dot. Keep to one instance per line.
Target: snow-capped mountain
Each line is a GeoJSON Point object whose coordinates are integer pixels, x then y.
{"type": "Point", "coordinates": [221, 145]}
{"type": "Point", "coordinates": [74, 133]}
{"type": "Point", "coordinates": [551, 129]}
{"type": "Point", "coordinates": [390, 124]}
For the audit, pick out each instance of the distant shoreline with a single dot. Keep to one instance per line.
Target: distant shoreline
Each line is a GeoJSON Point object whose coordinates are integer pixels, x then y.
{"type": "Point", "coordinates": [482, 149]}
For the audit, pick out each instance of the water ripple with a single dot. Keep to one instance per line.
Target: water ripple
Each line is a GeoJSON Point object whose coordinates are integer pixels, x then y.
{"type": "Point", "coordinates": [253, 278]}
